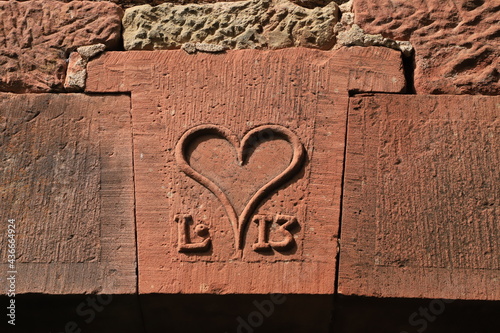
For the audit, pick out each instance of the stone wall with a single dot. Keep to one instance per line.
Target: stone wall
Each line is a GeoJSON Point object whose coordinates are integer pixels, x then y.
{"type": "Point", "coordinates": [250, 166]}
{"type": "Point", "coordinates": [450, 48]}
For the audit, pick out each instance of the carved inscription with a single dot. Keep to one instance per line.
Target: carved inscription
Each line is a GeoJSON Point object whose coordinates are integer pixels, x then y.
{"type": "Point", "coordinates": [286, 223]}
{"type": "Point", "coordinates": [240, 213]}
{"type": "Point", "coordinates": [185, 244]}
{"type": "Point", "coordinates": [263, 222]}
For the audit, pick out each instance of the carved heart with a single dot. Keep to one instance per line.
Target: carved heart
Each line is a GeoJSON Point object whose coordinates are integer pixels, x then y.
{"type": "Point", "coordinates": [238, 211]}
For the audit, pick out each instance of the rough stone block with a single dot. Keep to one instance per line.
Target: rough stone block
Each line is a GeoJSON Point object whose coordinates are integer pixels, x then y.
{"type": "Point", "coordinates": [456, 42]}
{"type": "Point", "coordinates": [238, 160]}
{"type": "Point", "coordinates": [76, 74]}
{"type": "Point", "coordinates": [131, 3]}
{"type": "Point", "coordinates": [421, 198]}
{"type": "Point", "coordinates": [66, 180]}
{"type": "Point", "coordinates": [236, 25]}
{"type": "Point", "coordinates": [36, 38]}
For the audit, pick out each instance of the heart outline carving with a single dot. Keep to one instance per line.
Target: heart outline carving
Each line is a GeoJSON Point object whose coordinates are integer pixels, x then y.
{"type": "Point", "coordinates": [242, 147]}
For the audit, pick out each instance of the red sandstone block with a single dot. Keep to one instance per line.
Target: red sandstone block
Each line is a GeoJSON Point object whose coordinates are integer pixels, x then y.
{"type": "Point", "coordinates": [238, 160]}
{"type": "Point", "coordinates": [66, 180]}
{"type": "Point", "coordinates": [456, 42]}
{"type": "Point", "coordinates": [36, 38]}
{"type": "Point", "coordinates": [421, 199]}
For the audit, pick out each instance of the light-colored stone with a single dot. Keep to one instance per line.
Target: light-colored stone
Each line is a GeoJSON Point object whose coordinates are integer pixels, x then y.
{"type": "Point", "coordinates": [189, 47]}
{"type": "Point", "coordinates": [234, 25]}
{"type": "Point", "coordinates": [36, 38]}
{"type": "Point", "coordinates": [312, 3]}
{"type": "Point", "coordinates": [76, 73]}
{"type": "Point", "coordinates": [89, 51]}
{"type": "Point", "coordinates": [209, 48]}
{"type": "Point", "coordinates": [355, 36]}
{"type": "Point", "coordinates": [131, 3]}
{"type": "Point", "coordinates": [202, 47]}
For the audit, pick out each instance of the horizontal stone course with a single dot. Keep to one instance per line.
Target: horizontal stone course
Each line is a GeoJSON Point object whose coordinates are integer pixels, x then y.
{"type": "Point", "coordinates": [36, 38]}
{"type": "Point", "coordinates": [131, 3]}
{"type": "Point", "coordinates": [456, 47]}
{"type": "Point", "coordinates": [236, 25]}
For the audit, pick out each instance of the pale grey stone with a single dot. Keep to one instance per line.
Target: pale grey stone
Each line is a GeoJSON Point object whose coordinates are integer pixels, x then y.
{"type": "Point", "coordinates": [89, 51]}
{"type": "Point", "coordinates": [267, 24]}
{"type": "Point", "coordinates": [355, 36]}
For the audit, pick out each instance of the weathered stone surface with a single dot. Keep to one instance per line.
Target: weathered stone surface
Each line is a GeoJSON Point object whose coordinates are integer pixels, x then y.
{"type": "Point", "coordinates": [89, 51]}
{"type": "Point", "coordinates": [66, 179]}
{"type": "Point", "coordinates": [457, 43]}
{"type": "Point", "coordinates": [131, 3]}
{"type": "Point", "coordinates": [313, 3]}
{"type": "Point", "coordinates": [76, 73]}
{"type": "Point", "coordinates": [202, 47]}
{"type": "Point", "coordinates": [36, 38]}
{"type": "Point", "coordinates": [421, 198]}
{"type": "Point", "coordinates": [355, 36]}
{"type": "Point", "coordinates": [350, 34]}
{"type": "Point", "coordinates": [236, 25]}
{"type": "Point", "coordinates": [359, 69]}
{"type": "Point", "coordinates": [238, 166]}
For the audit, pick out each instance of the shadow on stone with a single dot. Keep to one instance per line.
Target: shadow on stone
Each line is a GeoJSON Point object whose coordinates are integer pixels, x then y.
{"type": "Point", "coordinates": [36, 313]}
{"type": "Point", "coordinates": [237, 313]}
{"type": "Point", "coordinates": [354, 314]}
{"type": "Point", "coordinates": [247, 314]}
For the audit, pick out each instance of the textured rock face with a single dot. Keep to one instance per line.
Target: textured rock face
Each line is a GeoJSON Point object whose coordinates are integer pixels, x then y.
{"type": "Point", "coordinates": [36, 38]}
{"type": "Point", "coordinates": [456, 43]}
{"type": "Point", "coordinates": [355, 36]}
{"type": "Point", "coordinates": [421, 204]}
{"type": "Point", "coordinates": [202, 47]}
{"type": "Point", "coordinates": [66, 179]}
{"type": "Point", "coordinates": [236, 25]}
{"type": "Point", "coordinates": [77, 66]}
{"type": "Point", "coordinates": [76, 73]}
{"type": "Point", "coordinates": [130, 3]}
{"type": "Point", "coordinates": [350, 34]}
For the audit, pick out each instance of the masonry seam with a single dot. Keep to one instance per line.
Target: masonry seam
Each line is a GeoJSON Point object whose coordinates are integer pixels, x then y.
{"type": "Point", "coordinates": [339, 233]}
{"type": "Point", "coordinates": [139, 303]}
